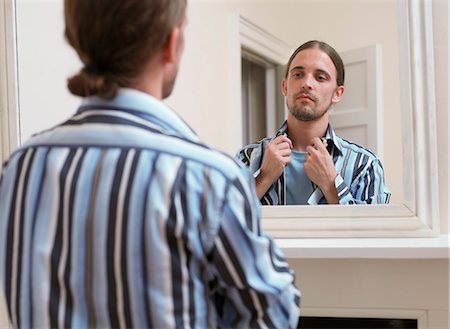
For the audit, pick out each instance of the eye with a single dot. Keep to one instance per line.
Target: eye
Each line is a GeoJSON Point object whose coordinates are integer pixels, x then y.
{"type": "Point", "coordinates": [322, 77]}
{"type": "Point", "coordinates": [297, 75]}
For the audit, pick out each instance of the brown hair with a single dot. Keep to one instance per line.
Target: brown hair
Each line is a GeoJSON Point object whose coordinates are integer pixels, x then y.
{"type": "Point", "coordinates": [327, 49]}
{"type": "Point", "coordinates": [115, 38]}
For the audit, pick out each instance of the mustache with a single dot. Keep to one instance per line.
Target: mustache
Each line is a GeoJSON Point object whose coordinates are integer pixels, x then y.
{"type": "Point", "coordinates": [308, 94]}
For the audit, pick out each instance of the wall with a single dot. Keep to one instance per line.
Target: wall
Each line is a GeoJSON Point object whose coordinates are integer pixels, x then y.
{"type": "Point", "coordinates": [376, 287]}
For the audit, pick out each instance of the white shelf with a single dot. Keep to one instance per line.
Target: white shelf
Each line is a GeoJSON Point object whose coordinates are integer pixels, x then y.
{"type": "Point", "coordinates": [367, 248]}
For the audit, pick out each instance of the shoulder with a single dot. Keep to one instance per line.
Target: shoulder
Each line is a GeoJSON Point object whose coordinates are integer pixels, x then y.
{"type": "Point", "coordinates": [218, 177]}
{"type": "Point", "coordinates": [211, 161]}
{"type": "Point", "coordinates": [257, 144]}
{"type": "Point", "coordinates": [355, 148]}
{"type": "Point", "coordinates": [249, 148]}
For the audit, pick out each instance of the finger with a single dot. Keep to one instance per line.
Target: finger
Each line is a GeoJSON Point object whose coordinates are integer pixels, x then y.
{"type": "Point", "coordinates": [283, 146]}
{"type": "Point", "coordinates": [310, 149]}
{"type": "Point", "coordinates": [285, 156]}
{"type": "Point", "coordinates": [285, 152]}
{"type": "Point", "coordinates": [318, 144]}
{"type": "Point", "coordinates": [283, 139]}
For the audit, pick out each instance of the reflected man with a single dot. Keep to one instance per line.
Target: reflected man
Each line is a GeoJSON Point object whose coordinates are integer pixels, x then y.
{"type": "Point", "coordinates": [306, 162]}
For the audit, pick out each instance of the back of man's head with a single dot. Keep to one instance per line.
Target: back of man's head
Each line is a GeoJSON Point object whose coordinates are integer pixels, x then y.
{"type": "Point", "coordinates": [115, 38]}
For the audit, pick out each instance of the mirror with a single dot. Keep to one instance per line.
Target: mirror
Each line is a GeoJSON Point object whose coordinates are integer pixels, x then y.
{"type": "Point", "coordinates": [411, 216]}
{"type": "Point", "coordinates": [207, 94]}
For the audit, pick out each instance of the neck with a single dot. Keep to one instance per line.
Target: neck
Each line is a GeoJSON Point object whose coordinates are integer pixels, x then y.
{"type": "Point", "coordinates": [150, 80]}
{"type": "Point", "coordinates": [302, 132]}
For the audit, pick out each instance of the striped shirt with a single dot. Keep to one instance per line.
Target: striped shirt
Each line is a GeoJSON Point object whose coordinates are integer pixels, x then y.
{"type": "Point", "coordinates": [360, 178]}
{"type": "Point", "coordinates": [119, 217]}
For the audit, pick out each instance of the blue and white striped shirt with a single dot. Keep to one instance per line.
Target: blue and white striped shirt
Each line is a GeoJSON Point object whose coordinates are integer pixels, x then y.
{"type": "Point", "coordinates": [119, 217]}
{"type": "Point", "coordinates": [360, 178]}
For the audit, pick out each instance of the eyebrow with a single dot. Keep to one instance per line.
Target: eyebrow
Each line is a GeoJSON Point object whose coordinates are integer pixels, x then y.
{"type": "Point", "coordinates": [297, 68]}
{"type": "Point", "coordinates": [317, 70]}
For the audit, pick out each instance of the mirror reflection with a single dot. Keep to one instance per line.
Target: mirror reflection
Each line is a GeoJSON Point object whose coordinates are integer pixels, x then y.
{"type": "Point", "coordinates": [306, 162]}
{"type": "Point", "coordinates": [349, 26]}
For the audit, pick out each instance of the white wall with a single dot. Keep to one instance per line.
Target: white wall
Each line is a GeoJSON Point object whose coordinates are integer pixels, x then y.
{"type": "Point", "coordinates": [45, 62]}
{"type": "Point", "coordinates": [376, 288]}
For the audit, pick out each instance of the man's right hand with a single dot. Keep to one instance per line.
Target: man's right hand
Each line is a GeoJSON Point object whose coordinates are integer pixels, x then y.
{"type": "Point", "coordinates": [276, 157]}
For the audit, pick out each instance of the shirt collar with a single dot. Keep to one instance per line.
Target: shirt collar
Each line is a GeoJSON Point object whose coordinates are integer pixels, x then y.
{"type": "Point", "coordinates": [283, 129]}
{"type": "Point", "coordinates": [146, 106]}
{"type": "Point", "coordinates": [330, 135]}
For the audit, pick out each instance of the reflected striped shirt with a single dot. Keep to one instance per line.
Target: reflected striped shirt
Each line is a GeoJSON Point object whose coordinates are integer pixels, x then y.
{"type": "Point", "coordinates": [360, 178]}
{"type": "Point", "coordinates": [119, 217]}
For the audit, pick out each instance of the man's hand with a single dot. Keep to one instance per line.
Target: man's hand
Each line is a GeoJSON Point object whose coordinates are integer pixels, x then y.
{"type": "Point", "coordinates": [276, 157]}
{"type": "Point", "coordinates": [319, 167]}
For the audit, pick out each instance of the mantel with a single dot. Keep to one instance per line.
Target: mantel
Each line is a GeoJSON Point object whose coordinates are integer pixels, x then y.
{"type": "Point", "coordinates": [366, 248]}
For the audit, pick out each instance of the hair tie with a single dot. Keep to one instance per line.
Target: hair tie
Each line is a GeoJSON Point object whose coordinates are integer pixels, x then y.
{"type": "Point", "coordinates": [91, 69]}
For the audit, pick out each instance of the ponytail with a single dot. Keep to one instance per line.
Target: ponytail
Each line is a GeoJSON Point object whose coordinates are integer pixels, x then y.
{"type": "Point", "coordinates": [90, 82]}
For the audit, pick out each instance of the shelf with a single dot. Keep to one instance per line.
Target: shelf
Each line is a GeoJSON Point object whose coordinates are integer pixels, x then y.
{"type": "Point", "coordinates": [367, 248]}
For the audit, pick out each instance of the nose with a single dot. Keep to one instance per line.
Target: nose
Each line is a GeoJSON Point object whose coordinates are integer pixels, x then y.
{"type": "Point", "coordinates": [308, 81]}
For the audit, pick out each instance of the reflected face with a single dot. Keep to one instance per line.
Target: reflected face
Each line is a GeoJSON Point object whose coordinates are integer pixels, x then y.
{"type": "Point", "coordinates": [310, 88]}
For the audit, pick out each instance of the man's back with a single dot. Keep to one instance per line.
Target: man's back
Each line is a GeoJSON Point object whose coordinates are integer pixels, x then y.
{"type": "Point", "coordinates": [120, 218]}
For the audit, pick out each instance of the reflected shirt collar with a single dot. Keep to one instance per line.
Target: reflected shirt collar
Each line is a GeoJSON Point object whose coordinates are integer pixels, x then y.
{"type": "Point", "coordinates": [146, 106]}
{"type": "Point", "coordinates": [330, 136]}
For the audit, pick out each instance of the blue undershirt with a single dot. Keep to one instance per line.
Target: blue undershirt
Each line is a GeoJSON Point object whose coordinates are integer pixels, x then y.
{"type": "Point", "coordinates": [298, 186]}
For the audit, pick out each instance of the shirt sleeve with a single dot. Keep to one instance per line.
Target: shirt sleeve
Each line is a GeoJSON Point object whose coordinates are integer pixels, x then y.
{"type": "Point", "coordinates": [254, 285]}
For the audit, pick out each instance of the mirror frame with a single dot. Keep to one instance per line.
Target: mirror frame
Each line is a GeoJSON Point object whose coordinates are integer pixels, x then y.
{"type": "Point", "coordinates": [9, 100]}
{"type": "Point", "coordinates": [418, 215]}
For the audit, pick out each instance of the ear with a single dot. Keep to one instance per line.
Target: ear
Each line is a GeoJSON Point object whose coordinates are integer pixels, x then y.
{"type": "Point", "coordinates": [170, 49]}
{"type": "Point", "coordinates": [339, 92]}
{"type": "Point", "coordinates": [284, 87]}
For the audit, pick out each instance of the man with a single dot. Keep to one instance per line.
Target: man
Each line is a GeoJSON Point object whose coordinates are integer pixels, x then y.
{"type": "Point", "coordinates": [306, 163]}
{"type": "Point", "coordinates": [120, 217]}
